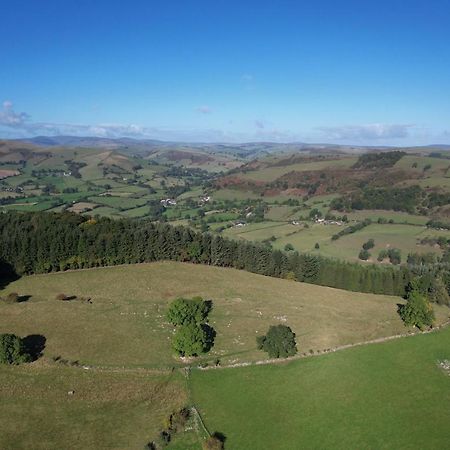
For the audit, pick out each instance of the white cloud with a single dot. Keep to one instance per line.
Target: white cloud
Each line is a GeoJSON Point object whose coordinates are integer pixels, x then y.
{"type": "Point", "coordinates": [10, 118]}
{"type": "Point", "coordinates": [204, 109]}
{"type": "Point", "coordinates": [369, 132]}
{"type": "Point", "coordinates": [19, 125]}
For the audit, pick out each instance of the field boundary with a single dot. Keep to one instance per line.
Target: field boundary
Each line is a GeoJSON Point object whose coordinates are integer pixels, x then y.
{"type": "Point", "coordinates": [186, 369]}
{"type": "Point", "coordinates": [264, 362]}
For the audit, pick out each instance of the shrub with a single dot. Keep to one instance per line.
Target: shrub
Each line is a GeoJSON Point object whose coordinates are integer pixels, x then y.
{"type": "Point", "coordinates": [279, 342]}
{"type": "Point", "coordinates": [290, 276]}
{"type": "Point", "coordinates": [394, 256]}
{"type": "Point", "coordinates": [163, 439]}
{"type": "Point", "coordinates": [316, 246]}
{"type": "Point", "coordinates": [364, 255]}
{"type": "Point", "coordinates": [417, 311]}
{"type": "Point", "coordinates": [369, 244]}
{"type": "Point", "coordinates": [315, 214]}
{"type": "Point", "coordinates": [288, 247]}
{"type": "Point", "coordinates": [61, 297]}
{"type": "Point", "coordinates": [178, 420]}
{"type": "Point", "coordinates": [213, 443]}
{"type": "Point", "coordinates": [12, 297]}
{"type": "Point", "coordinates": [438, 292]}
{"type": "Point", "coordinates": [12, 350]}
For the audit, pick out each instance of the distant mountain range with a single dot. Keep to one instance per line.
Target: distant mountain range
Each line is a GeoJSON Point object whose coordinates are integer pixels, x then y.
{"type": "Point", "coordinates": [244, 150]}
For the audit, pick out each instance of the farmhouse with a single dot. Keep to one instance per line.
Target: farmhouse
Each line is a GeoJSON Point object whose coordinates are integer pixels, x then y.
{"type": "Point", "coordinates": [168, 202]}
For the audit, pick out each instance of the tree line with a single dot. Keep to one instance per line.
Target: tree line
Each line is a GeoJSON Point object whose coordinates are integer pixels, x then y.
{"type": "Point", "coordinates": [39, 242]}
{"type": "Point", "coordinates": [389, 198]}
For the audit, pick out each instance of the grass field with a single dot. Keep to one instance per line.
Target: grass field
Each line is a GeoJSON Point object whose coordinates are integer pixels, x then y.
{"type": "Point", "coordinates": [438, 167]}
{"type": "Point", "coordinates": [120, 410]}
{"type": "Point", "coordinates": [125, 325]}
{"type": "Point", "coordinates": [383, 396]}
{"type": "Point", "coordinates": [272, 173]}
{"type": "Point", "coordinates": [396, 216]}
{"type": "Point", "coordinates": [405, 237]}
{"type": "Point", "coordinates": [121, 399]}
{"type": "Point", "coordinates": [234, 194]}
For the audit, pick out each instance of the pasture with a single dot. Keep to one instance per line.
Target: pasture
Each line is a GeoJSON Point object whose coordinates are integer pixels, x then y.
{"type": "Point", "coordinates": [125, 325]}
{"type": "Point", "coordinates": [118, 384]}
{"type": "Point", "coordinates": [108, 409]}
{"type": "Point", "coordinates": [405, 237]}
{"type": "Point", "coordinates": [383, 396]}
{"type": "Point", "coordinates": [273, 172]}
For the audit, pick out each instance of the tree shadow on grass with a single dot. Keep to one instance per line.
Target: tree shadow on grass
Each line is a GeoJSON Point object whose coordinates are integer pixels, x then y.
{"type": "Point", "coordinates": [34, 345]}
{"type": "Point", "coordinates": [7, 274]}
{"type": "Point", "coordinates": [210, 336]}
{"type": "Point", "coordinates": [220, 436]}
{"type": "Point", "coordinates": [209, 306]}
{"type": "Point", "coordinates": [24, 298]}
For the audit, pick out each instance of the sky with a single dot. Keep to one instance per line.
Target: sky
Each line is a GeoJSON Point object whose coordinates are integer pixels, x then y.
{"type": "Point", "coordinates": [346, 72]}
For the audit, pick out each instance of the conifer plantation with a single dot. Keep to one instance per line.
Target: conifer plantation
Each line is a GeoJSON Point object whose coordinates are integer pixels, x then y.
{"type": "Point", "coordinates": [42, 243]}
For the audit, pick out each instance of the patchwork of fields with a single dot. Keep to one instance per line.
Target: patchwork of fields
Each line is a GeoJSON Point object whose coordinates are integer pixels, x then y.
{"type": "Point", "coordinates": [407, 238]}
{"type": "Point", "coordinates": [108, 376]}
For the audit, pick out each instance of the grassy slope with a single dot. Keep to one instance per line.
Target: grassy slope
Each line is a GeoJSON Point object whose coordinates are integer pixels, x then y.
{"type": "Point", "coordinates": [272, 173]}
{"type": "Point", "coordinates": [125, 324]}
{"type": "Point", "coordinates": [108, 410]}
{"type": "Point", "coordinates": [384, 396]}
{"type": "Point", "coordinates": [124, 327]}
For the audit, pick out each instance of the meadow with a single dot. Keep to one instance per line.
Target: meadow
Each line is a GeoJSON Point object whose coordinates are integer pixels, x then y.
{"type": "Point", "coordinates": [108, 409]}
{"type": "Point", "coordinates": [406, 237]}
{"type": "Point", "coordinates": [275, 171]}
{"type": "Point", "coordinates": [108, 376]}
{"type": "Point", "coordinates": [125, 325]}
{"type": "Point", "coordinates": [383, 396]}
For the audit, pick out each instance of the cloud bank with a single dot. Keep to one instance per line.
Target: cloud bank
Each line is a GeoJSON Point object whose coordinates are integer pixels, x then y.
{"type": "Point", "coordinates": [369, 132]}
{"type": "Point", "coordinates": [20, 125]}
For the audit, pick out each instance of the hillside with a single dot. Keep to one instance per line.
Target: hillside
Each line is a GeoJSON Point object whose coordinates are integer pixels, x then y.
{"type": "Point", "coordinates": [72, 408]}
{"type": "Point", "coordinates": [105, 377]}
{"type": "Point", "coordinates": [296, 199]}
{"type": "Point", "coordinates": [126, 325]}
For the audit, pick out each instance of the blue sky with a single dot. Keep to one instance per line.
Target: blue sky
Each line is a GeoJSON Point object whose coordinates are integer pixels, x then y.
{"type": "Point", "coordinates": [356, 72]}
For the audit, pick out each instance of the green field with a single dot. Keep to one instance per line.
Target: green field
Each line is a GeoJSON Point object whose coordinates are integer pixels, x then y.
{"type": "Point", "coordinates": [234, 194]}
{"type": "Point", "coordinates": [125, 382]}
{"type": "Point", "coordinates": [384, 396]}
{"type": "Point", "coordinates": [396, 216]}
{"type": "Point", "coordinates": [438, 167]}
{"type": "Point", "coordinates": [402, 236]}
{"type": "Point", "coordinates": [272, 173]}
